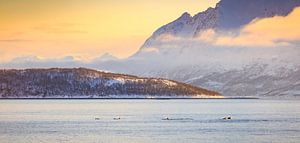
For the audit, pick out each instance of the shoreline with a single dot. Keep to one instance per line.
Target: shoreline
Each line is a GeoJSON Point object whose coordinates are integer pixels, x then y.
{"type": "Point", "coordinates": [163, 98]}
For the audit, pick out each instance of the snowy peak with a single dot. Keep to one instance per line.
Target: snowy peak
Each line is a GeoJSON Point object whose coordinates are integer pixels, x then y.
{"type": "Point", "coordinates": [107, 57]}
{"type": "Point", "coordinates": [174, 27]}
{"type": "Point", "coordinates": [227, 15]}
{"type": "Point", "coordinates": [185, 16]}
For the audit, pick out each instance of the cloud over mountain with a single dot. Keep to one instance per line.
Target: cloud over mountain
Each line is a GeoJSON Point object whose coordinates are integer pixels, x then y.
{"type": "Point", "coordinates": [276, 31]}
{"type": "Point", "coordinates": [266, 32]}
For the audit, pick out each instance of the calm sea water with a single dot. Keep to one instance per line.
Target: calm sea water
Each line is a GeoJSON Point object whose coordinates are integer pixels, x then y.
{"type": "Point", "coordinates": [191, 121]}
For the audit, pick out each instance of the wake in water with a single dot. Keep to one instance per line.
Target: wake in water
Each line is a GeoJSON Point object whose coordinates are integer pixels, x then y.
{"type": "Point", "coordinates": [180, 119]}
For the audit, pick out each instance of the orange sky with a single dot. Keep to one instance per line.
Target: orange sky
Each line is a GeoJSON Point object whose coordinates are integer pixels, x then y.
{"type": "Point", "coordinates": [84, 29]}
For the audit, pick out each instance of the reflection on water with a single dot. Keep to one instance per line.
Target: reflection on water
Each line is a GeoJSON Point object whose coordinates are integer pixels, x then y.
{"type": "Point", "coordinates": [150, 121]}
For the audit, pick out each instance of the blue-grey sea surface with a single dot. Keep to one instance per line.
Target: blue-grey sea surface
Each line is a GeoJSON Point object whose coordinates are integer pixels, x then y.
{"type": "Point", "coordinates": [150, 121]}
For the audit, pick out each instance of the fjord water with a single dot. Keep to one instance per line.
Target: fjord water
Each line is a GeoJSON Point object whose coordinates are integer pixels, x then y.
{"type": "Point", "coordinates": [191, 121]}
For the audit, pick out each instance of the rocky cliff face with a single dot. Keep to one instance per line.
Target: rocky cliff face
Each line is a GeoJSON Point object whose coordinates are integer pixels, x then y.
{"type": "Point", "coordinates": [87, 83]}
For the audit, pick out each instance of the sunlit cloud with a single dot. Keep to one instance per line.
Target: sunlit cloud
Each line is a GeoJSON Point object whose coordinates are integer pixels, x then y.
{"type": "Point", "coordinates": [14, 40]}
{"type": "Point", "coordinates": [207, 36]}
{"type": "Point", "coordinates": [266, 32]}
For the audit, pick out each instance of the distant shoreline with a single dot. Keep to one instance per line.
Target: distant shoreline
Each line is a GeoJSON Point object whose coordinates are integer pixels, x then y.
{"type": "Point", "coordinates": [226, 98]}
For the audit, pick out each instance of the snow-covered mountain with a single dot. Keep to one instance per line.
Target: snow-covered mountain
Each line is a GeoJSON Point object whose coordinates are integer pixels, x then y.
{"type": "Point", "coordinates": [87, 83]}
{"type": "Point", "coordinates": [228, 14]}
{"type": "Point", "coordinates": [107, 57]}
{"type": "Point", "coordinates": [188, 50]}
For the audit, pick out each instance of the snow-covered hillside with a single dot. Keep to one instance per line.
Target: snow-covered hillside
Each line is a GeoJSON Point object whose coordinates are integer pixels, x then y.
{"type": "Point", "coordinates": [87, 83]}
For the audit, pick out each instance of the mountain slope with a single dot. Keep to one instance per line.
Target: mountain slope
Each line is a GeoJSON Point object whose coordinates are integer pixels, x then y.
{"type": "Point", "coordinates": [87, 83]}
{"type": "Point", "coordinates": [182, 51]}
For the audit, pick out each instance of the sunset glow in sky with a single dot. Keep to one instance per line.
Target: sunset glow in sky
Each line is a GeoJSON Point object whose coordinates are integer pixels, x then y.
{"type": "Point", "coordinates": [84, 29]}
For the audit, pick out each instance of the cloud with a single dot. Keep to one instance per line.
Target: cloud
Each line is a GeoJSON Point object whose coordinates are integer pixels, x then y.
{"type": "Point", "coordinates": [33, 61]}
{"type": "Point", "coordinates": [168, 38]}
{"type": "Point", "coordinates": [266, 32]}
{"type": "Point", "coordinates": [150, 50]}
{"type": "Point", "coordinates": [207, 36]}
{"type": "Point", "coordinates": [41, 62]}
{"type": "Point", "coordinates": [14, 40]}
